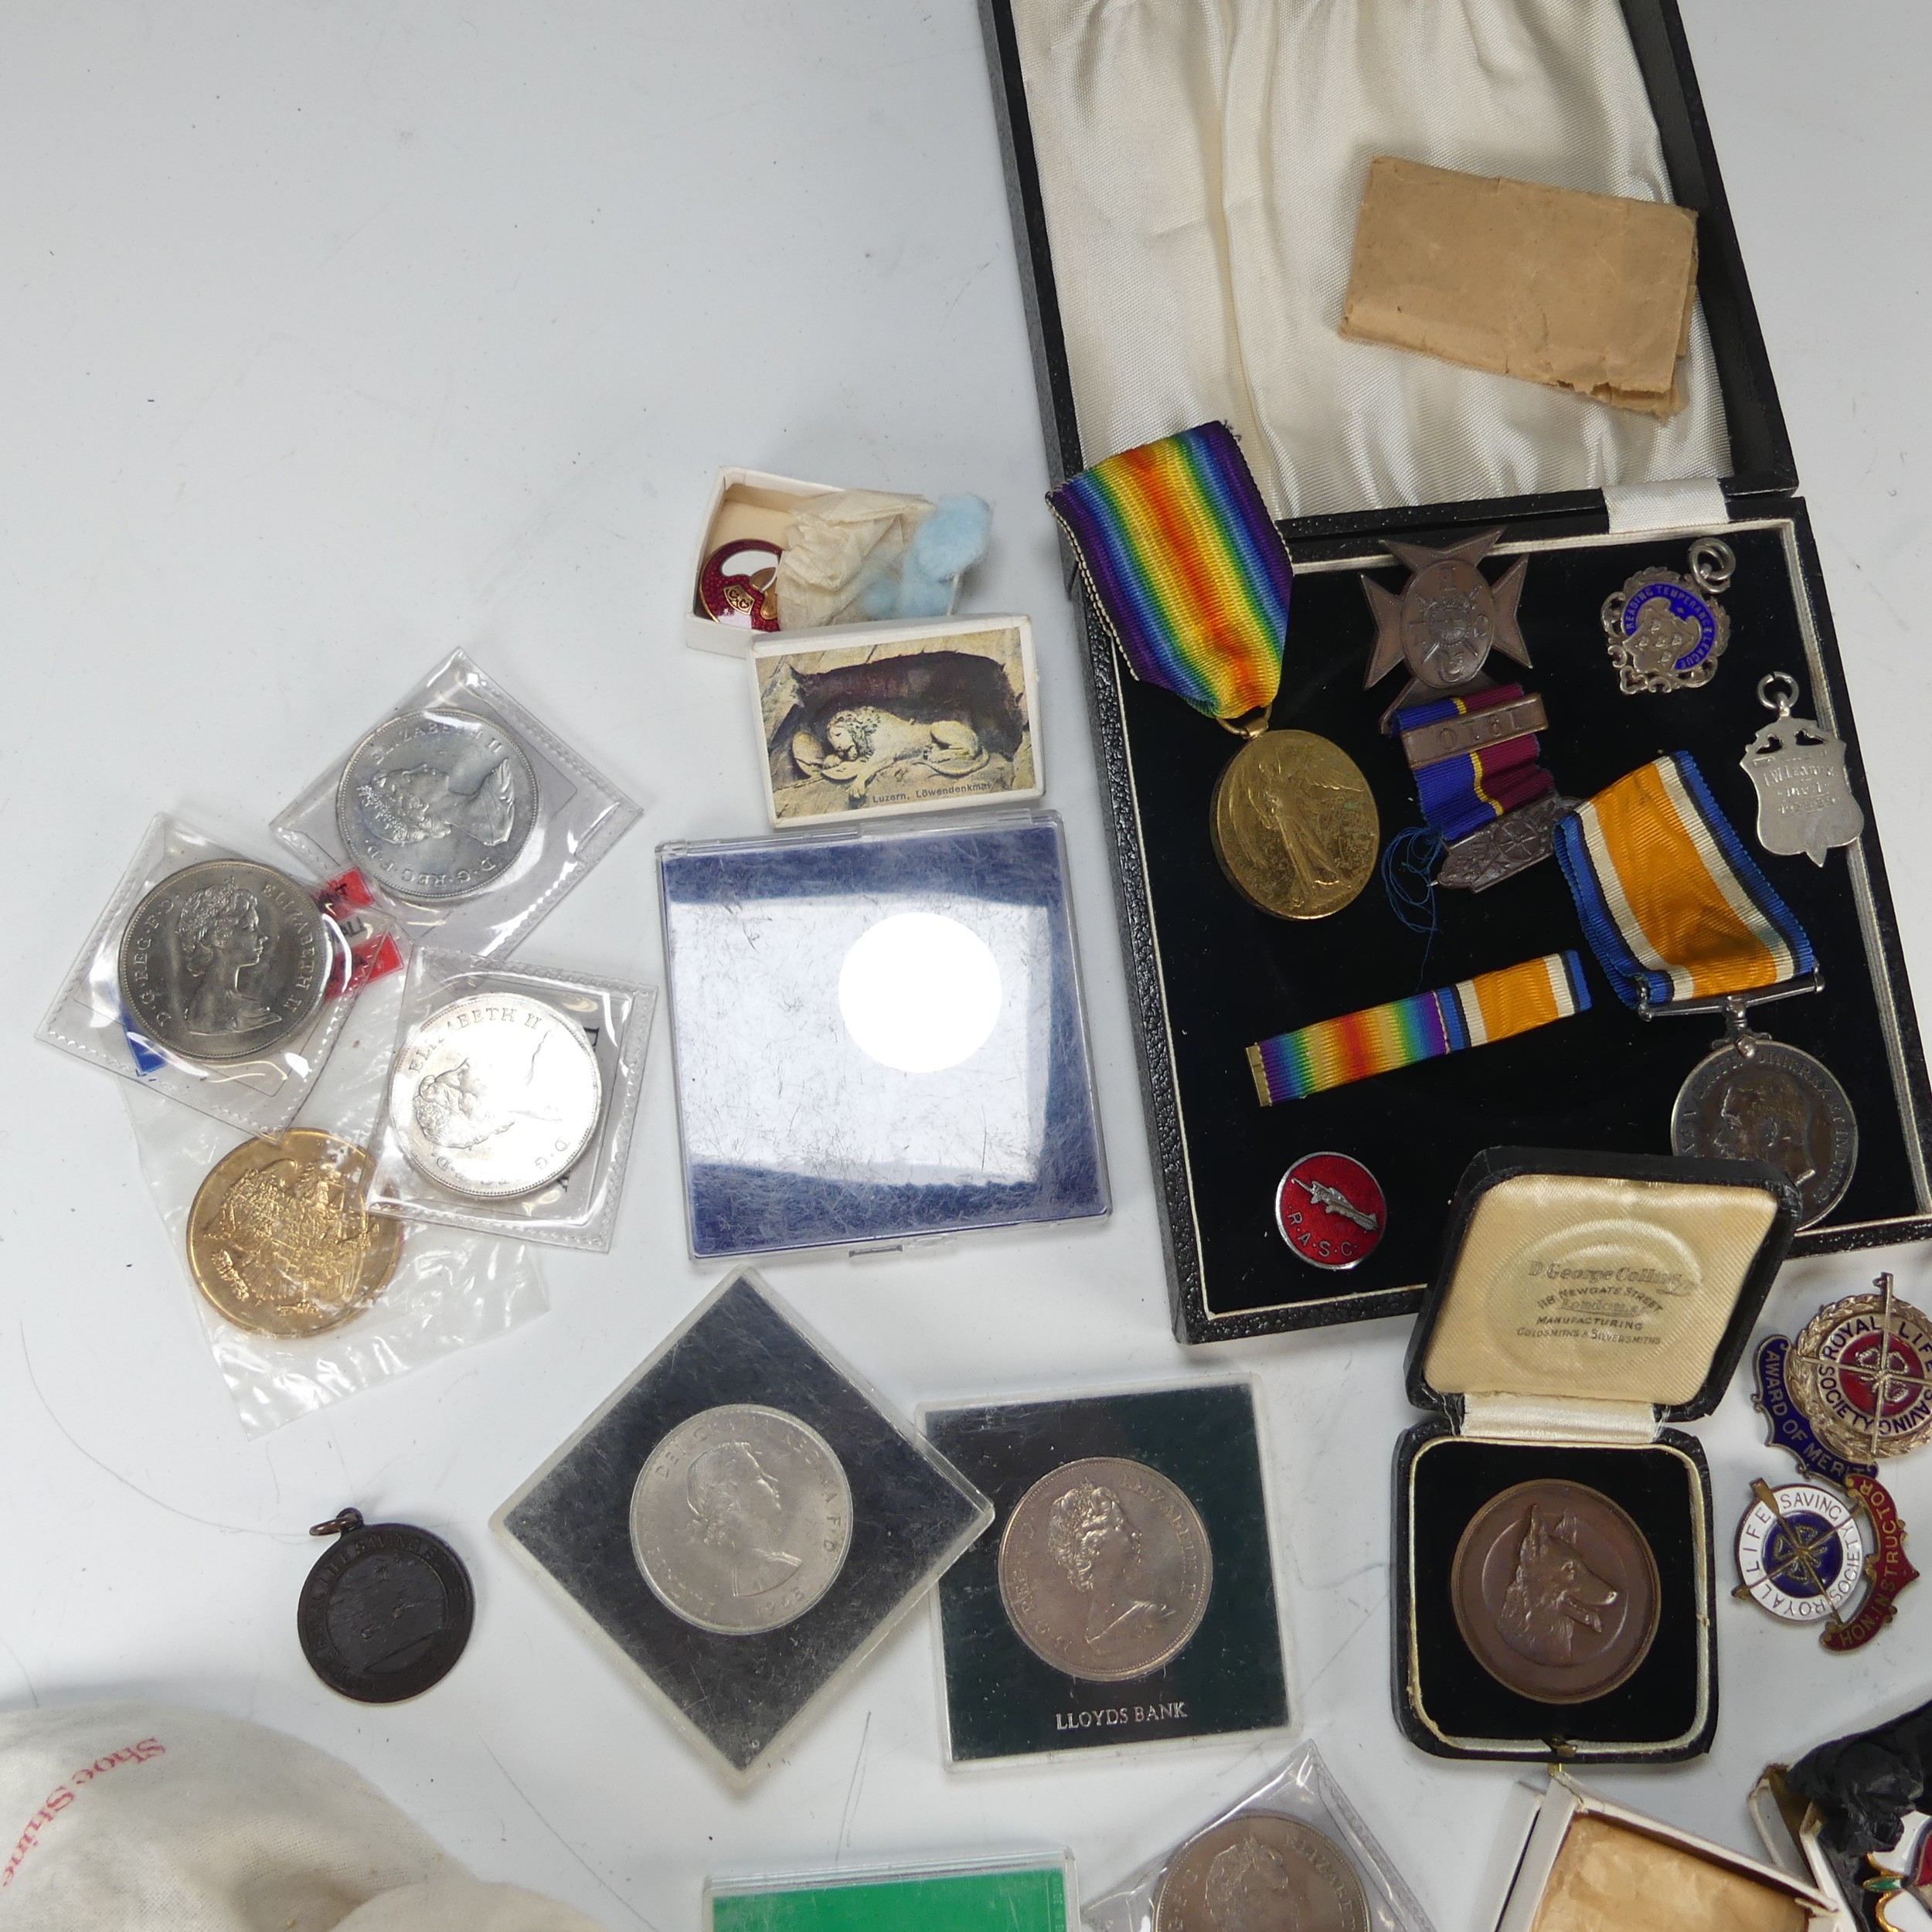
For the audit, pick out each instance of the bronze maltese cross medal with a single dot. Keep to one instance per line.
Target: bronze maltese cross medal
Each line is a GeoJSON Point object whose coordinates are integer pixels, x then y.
{"type": "Point", "coordinates": [1447, 621]}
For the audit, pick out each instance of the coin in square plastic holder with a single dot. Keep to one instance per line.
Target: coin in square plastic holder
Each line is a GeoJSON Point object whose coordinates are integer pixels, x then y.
{"type": "Point", "coordinates": [878, 1036]}
{"type": "Point", "coordinates": [740, 1524]}
{"type": "Point", "coordinates": [511, 1099]}
{"type": "Point", "coordinates": [216, 980]}
{"type": "Point", "coordinates": [1125, 1596]}
{"type": "Point", "coordinates": [467, 815]}
{"type": "Point", "coordinates": [1293, 1852]}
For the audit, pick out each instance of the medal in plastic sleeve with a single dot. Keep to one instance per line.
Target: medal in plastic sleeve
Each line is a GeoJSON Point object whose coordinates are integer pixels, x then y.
{"type": "Point", "coordinates": [511, 1099]}
{"type": "Point", "coordinates": [465, 813]}
{"type": "Point", "coordinates": [218, 981]}
{"type": "Point", "coordinates": [1293, 1852]}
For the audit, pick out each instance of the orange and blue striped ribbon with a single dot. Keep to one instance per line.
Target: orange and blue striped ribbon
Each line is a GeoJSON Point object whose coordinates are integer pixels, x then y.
{"type": "Point", "coordinates": [1673, 905]}
{"type": "Point", "coordinates": [1185, 567]}
{"type": "Point", "coordinates": [1473, 1012]}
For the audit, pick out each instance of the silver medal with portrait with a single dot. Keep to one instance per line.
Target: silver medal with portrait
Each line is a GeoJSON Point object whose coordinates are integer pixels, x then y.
{"type": "Point", "coordinates": [741, 1519]}
{"type": "Point", "coordinates": [437, 805]}
{"type": "Point", "coordinates": [1105, 1569]}
{"type": "Point", "coordinates": [223, 960]}
{"type": "Point", "coordinates": [1755, 1099]}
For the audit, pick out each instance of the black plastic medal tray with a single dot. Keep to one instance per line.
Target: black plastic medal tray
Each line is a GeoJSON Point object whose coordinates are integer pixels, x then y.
{"type": "Point", "coordinates": [1210, 975]}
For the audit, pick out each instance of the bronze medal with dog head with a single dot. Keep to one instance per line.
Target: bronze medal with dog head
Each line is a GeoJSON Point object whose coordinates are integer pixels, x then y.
{"type": "Point", "coordinates": [1555, 1592]}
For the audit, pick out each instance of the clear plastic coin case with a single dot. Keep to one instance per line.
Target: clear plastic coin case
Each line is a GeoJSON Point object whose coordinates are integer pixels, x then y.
{"type": "Point", "coordinates": [216, 980]}
{"type": "Point", "coordinates": [1294, 1852]}
{"type": "Point", "coordinates": [1028, 1894]}
{"type": "Point", "coordinates": [740, 1525]}
{"type": "Point", "coordinates": [878, 1036]}
{"type": "Point", "coordinates": [512, 1097]}
{"type": "Point", "coordinates": [468, 816]}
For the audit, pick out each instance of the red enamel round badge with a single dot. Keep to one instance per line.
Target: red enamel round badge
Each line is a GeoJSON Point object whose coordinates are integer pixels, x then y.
{"type": "Point", "coordinates": [1331, 1210]}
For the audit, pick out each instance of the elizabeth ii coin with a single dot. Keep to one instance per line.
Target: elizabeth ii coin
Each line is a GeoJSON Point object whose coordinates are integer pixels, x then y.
{"type": "Point", "coordinates": [223, 960]}
{"type": "Point", "coordinates": [1104, 1569]}
{"type": "Point", "coordinates": [1258, 1871]}
{"type": "Point", "coordinates": [435, 805]}
{"type": "Point", "coordinates": [495, 1096]}
{"type": "Point", "coordinates": [740, 1519]}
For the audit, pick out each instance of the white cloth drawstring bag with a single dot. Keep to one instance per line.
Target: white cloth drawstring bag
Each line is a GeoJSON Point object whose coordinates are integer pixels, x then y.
{"type": "Point", "coordinates": [136, 1817]}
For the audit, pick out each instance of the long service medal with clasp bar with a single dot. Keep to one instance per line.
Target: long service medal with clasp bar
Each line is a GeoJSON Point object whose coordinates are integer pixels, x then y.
{"type": "Point", "coordinates": [1804, 801]}
{"type": "Point", "coordinates": [1666, 632]}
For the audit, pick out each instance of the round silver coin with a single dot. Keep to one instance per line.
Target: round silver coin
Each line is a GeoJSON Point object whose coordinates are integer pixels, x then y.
{"type": "Point", "coordinates": [1104, 1569]}
{"type": "Point", "coordinates": [495, 1095]}
{"type": "Point", "coordinates": [435, 805]}
{"type": "Point", "coordinates": [1773, 1104]}
{"type": "Point", "coordinates": [224, 960]}
{"type": "Point", "coordinates": [740, 1519]}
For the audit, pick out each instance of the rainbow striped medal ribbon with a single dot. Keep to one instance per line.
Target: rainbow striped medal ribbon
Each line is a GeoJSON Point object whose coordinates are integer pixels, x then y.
{"type": "Point", "coordinates": [1186, 570]}
{"type": "Point", "coordinates": [1473, 1012]}
{"type": "Point", "coordinates": [1682, 921]}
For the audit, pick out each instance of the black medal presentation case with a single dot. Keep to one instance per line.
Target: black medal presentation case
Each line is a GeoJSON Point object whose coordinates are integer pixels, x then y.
{"type": "Point", "coordinates": [1210, 974]}
{"type": "Point", "coordinates": [1584, 1304]}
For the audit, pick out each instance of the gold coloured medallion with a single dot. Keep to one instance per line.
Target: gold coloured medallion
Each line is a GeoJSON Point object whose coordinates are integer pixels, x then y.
{"type": "Point", "coordinates": [280, 1240]}
{"type": "Point", "coordinates": [1295, 825]}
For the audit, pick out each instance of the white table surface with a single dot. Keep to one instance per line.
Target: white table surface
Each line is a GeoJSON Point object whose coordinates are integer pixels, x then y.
{"type": "Point", "coordinates": [338, 334]}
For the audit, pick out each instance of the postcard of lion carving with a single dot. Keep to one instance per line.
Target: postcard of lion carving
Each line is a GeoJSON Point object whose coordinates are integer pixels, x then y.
{"type": "Point", "coordinates": [925, 716]}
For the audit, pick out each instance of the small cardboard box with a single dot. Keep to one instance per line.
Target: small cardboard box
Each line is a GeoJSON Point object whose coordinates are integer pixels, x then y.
{"type": "Point", "coordinates": [1576, 1861]}
{"type": "Point", "coordinates": [1583, 1303]}
{"type": "Point", "coordinates": [752, 503]}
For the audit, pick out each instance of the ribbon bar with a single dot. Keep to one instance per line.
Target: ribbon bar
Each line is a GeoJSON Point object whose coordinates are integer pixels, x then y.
{"type": "Point", "coordinates": [1473, 1012]}
{"type": "Point", "coordinates": [1673, 905]}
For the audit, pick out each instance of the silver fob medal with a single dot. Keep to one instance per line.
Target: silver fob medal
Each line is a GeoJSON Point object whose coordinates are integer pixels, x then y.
{"type": "Point", "coordinates": [1804, 801]}
{"type": "Point", "coordinates": [1666, 632]}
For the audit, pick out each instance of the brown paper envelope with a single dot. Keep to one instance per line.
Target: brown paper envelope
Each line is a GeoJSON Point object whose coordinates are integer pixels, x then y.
{"type": "Point", "coordinates": [1592, 293]}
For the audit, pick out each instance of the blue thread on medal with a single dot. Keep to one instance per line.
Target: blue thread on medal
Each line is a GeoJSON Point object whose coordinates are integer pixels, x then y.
{"type": "Point", "coordinates": [1410, 864]}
